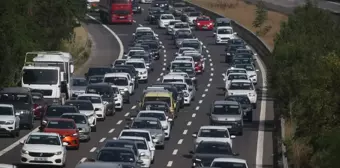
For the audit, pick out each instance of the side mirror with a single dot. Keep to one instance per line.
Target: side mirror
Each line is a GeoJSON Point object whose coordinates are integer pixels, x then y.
{"type": "Point", "coordinates": [257, 70]}
{"type": "Point", "coordinates": [194, 135]}
{"type": "Point", "coordinates": [232, 136]}
{"type": "Point", "coordinates": [65, 143]}
{"type": "Point", "coordinates": [22, 141]}
{"type": "Point", "coordinates": [170, 119]}
{"type": "Point", "coordinates": [72, 68]}
{"type": "Point", "coordinates": [96, 109]}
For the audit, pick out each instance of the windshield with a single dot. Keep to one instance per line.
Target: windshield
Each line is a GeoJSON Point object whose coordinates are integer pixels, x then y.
{"type": "Point", "coordinates": [179, 26]}
{"type": "Point", "coordinates": [43, 140]}
{"type": "Point", "coordinates": [119, 62]}
{"type": "Point", "coordinates": [105, 92]}
{"type": "Point", "coordinates": [247, 67]}
{"type": "Point", "coordinates": [240, 99]}
{"type": "Point", "coordinates": [98, 71]}
{"type": "Point", "coordinates": [215, 133]}
{"type": "Point", "coordinates": [179, 5]}
{"type": "Point", "coordinates": [172, 80]}
{"type": "Point", "coordinates": [167, 17]}
{"type": "Point", "coordinates": [122, 145]}
{"type": "Point", "coordinates": [235, 47]}
{"type": "Point", "coordinates": [159, 116]}
{"type": "Point", "coordinates": [236, 71]}
{"type": "Point", "coordinates": [184, 36]}
{"type": "Point", "coordinates": [173, 22]}
{"type": "Point", "coordinates": [142, 33]}
{"type": "Point", "coordinates": [238, 76]}
{"type": "Point", "coordinates": [184, 58]}
{"type": "Point", "coordinates": [181, 86]}
{"type": "Point", "coordinates": [93, 99]}
{"type": "Point", "coordinates": [116, 156]}
{"type": "Point", "coordinates": [137, 134]}
{"type": "Point", "coordinates": [153, 106]}
{"type": "Point", "coordinates": [243, 55]}
{"type": "Point", "coordinates": [58, 111]}
{"type": "Point", "coordinates": [203, 19]}
{"type": "Point", "coordinates": [136, 52]}
{"type": "Point", "coordinates": [78, 119]}
{"type": "Point", "coordinates": [96, 79]}
{"type": "Point", "coordinates": [6, 111]}
{"type": "Point", "coordinates": [119, 81]}
{"type": "Point", "coordinates": [147, 124]}
{"type": "Point", "coordinates": [228, 165]}
{"type": "Point", "coordinates": [81, 105]}
{"type": "Point", "coordinates": [79, 82]}
{"type": "Point", "coordinates": [195, 45]}
{"type": "Point", "coordinates": [242, 61]}
{"type": "Point", "coordinates": [244, 51]}
{"type": "Point", "coordinates": [136, 64]}
{"type": "Point", "coordinates": [163, 99]}
{"type": "Point", "coordinates": [40, 76]}
{"type": "Point", "coordinates": [226, 109]}
{"type": "Point", "coordinates": [60, 125]}
{"type": "Point", "coordinates": [14, 98]}
{"type": "Point", "coordinates": [180, 64]}
{"type": "Point", "coordinates": [181, 50]}
{"type": "Point", "coordinates": [194, 14]}
{"type": "Point", "coordinates": [240, 86]}
{"type": "Point", "coordinates": [214, 148]}
{"type": "Point", "coordinates": [224, 31]}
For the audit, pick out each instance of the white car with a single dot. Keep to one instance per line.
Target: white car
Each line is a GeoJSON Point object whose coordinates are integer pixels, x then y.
{"type": "Point", "coordinates": [131, 53]}
{"type": "Point", "coordinates": [181, 26]}
{"type": "Point", "coordinates": [99, 105]}
{"type": "Point", "coordinates": [194, 43]}
{"type": "Point", "coordinates": [9, 120]}
{"type": "Point", "coordinates": [243, 87]}
{"type": "Point", "coordinates": [143, 30]}
{"type": "Point", "coordinates": [118, 98]}
{"type": "Point", "coordinates": [140, 133]}
{"type": "Point", "coordinates": [233, 76]}
{"type": "Point", "coordinates": [163, 118]}
{"type": "Point", "coordinates": [141, 67]}
{"type": "Point", "coordinates": [189, 91]}
{"type": "Point", "coordinates": [145, 151]}
{"type": "Point", "coordinates": [43, 149]}
{"type": "Point", "coordinates": [85, 107]}
{"type": "Point", "coordinates": [184, 58]}
{"type": "Point", "coordinates": [165, 19]}
{"type": "Point", "coordinates": [171, 25]}
{"type": "Point", "coordinates": [213, 133]}
{"type": "Point", "coordinates": [191, 17]}
{"type": "Point", "coordinates": [223, 34]}
{"type": "Point", "coordinates": [184, 49]}
{"type": "Point", "coordinates": [234, 70]}
{"type": "Point", "coordinates": [226, 162]}
{"type": "Point", "coordinates": [122, 80]}
{"type": "Point", "coordinates": [251, 71]}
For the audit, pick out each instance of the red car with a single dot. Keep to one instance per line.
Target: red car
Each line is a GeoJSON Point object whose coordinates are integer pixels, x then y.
{"type": "Point", "coordinates": [204, 23]}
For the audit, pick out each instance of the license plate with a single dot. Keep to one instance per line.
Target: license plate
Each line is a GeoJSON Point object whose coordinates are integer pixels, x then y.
{"type": "Point", "coordinates": [122, 17]}
{"type": "Point", "coordinates": [205, 27]}
{"type": "Point", "coordinates": [40, 159]}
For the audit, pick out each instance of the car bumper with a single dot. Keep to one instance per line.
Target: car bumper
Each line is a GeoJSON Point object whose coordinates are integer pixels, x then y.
{"type": "Point", "coordinates": [122, 20]}
{"type": "Point", "coordinates": [100, 114]}
{"type": "Point", "coordinates": [221, 41]}
{"type": "Point", "coordinates": [232, 128]}
{"type": "Point", "coordinates": [199, 69]}
{"type": "Point", "coordinates": [253, 99]}
{"type": "Point", "coordinates": [55, 160]}
{"type": "Point", "coordinates": [205, 27]}
{"type": "Point", "coordinates": [146, 163]}
{"type": "Point", "coordinates": [7, 129]}
{"type": "Point", "coordinates": [142, 77]}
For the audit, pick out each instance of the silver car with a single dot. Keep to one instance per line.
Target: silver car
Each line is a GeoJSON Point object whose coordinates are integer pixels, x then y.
{"type": "Point", "coordinates": [227, 113]}
{"type": "Point", "coordinates": [154, 126]}
{"type": "Point", "coordinates": [82, 125]}
{"type": "Point", "coordinates": [78, 86]}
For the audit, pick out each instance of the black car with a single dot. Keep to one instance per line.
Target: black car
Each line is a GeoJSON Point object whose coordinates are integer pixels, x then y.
{"type": "Point", "coordinates": [21, 99]}
{"type": "Point", "coordinates": [231, 50]}
{"type": "Point", "coordinates": [136, 8]}
{"type": "Point", "coordinates": [207, 151]}
{"type": "Point", "coordinates": [106, 92]}
{"type": "Point", "coordinates": [161, 4]}
{"type": "Point", "coordinates": [177, 8]}
{"type": "Point", "coordinates": [155, 14]}
{"type": "Point", "coordinates": [128, 69]}
{"type": "Point", "coordinates": [245, 104]}
{"type": "Point", "coordinates": [155, 48]}
{"type": "Point", "coordinates": [236, 42]}
{"type": "Point", "coordinates": [97, 71]}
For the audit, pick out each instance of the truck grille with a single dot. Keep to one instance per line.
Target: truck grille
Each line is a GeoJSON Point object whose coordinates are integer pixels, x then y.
{"type": "Point", "coordinates": [36, 154]}
{"type": "Point", "coordinates": [44, 92]}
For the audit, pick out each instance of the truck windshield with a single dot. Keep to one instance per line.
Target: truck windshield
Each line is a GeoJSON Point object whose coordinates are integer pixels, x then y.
{"type": "Point", "coordinates": [56, 64]}
{"type": "Point", "coordinates": [40, 76]}
{"type": "Point", "coordinates": [121, 1]}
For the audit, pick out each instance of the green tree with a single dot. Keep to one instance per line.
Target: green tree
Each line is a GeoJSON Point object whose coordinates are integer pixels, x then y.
{"type": "Point", "coordinates": [260, 19]}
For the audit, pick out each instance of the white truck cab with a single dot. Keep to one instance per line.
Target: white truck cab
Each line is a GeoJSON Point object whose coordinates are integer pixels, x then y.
{"type": "Point", "coordinates": [122, 80]}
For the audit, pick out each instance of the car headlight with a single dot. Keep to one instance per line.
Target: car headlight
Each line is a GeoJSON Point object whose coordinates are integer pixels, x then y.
{"type": "Point", "coordinates": [152, 16]}
{"type": "Point", "coordinates": [138, 7]}
{"type": "Point", "coordinates": [165, 127]}
{"type": "Point", "coordinates": [9, 122]}
{"type": "Point", "coordinates": [122, 92]}
{"type": "Point", "coordinates": [24, 151]}
{"type": "Point", "coordinates": [105, 102]}
{"type": "Point", "coordinates": [198, 24]}
{"type": "Point", "coordinates": [58, 153]}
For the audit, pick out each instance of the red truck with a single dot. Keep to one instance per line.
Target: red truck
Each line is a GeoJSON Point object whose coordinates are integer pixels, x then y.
{"type": "Point", "coordinates": [116, 11]}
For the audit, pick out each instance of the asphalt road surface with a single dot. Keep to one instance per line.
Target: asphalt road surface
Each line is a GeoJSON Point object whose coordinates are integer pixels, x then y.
{"type": "Point", "coordinates": [255, 145]}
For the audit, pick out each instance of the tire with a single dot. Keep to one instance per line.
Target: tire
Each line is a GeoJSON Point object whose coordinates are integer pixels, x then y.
{"type": "Point", "coordinates": [254, 105]}
{"type": "Point", "coordinates": [162, 147]}
{"type": "Point", "coordinates": [240, 133]}
{"type": "Point", "coordinates": [250, 117]}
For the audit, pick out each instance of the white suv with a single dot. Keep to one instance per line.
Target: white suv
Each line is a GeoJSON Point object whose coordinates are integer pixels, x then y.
{"type": "Point", "coordinates": [9, 120]}
{"type": "Point", "coordinates": [141, 67]}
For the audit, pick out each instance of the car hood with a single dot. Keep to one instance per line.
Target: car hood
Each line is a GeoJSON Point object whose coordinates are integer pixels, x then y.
{"type": "Point", "coordinates": [153, 131]}
{"type": "Point", "coordinates": [87, 112]}
{"type": "Point", "coordinates": [141, 69]}
{"type": "Point", "coordinates": [64, 132]}
{"type": "Point", "coordinates": [227, 117]}
{"type": "Point", "coordinates": [42, 148]}
{"type": "Point", "coordinates": [6, 117]}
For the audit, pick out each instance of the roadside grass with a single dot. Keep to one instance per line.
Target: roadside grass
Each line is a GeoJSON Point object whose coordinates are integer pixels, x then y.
{"type": "Point", "coordinates": [244, 14]}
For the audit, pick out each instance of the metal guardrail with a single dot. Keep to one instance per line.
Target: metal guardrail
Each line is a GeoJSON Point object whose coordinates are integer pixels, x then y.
{"type": "Point", "coordinates": [264, 52]}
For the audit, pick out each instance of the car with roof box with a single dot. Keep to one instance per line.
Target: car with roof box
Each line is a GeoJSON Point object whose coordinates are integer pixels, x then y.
{"type": "Point", "coordinates": [21, 99]}
{"type": "Point", "coordinates": [97, 71]}
{"type": "Point", "coordinates": [85, 107]}
{"type": "Point", "coordinates": [82, 125]}
{"type": "Point", "coordinates": [78, 86]}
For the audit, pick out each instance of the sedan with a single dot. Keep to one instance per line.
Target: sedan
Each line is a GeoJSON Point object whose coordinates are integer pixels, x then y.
{"type": "Point", "coordinates": [204, 23]}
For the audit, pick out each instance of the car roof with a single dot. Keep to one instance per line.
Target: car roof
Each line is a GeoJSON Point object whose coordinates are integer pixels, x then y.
{"type": "Point", "coordinates": [235, 160]}
{"type": "Point", "coordinates": [141, 60]}
{"type": "Point", "coordinates": [78, 101]}
{"type": "Point", "coordinates": [224, 27]}
{"type": "Point", "coordinates": [150, 111]}
{"type": "Point", "coordinates": [132, 138]}
{"type": "Point", "coordinates": [79, 114]}
{"type": "Point", "coordinates": [44, 133]}
{"type": "Point", "coordinates": [7, 105]}
{"type": "Point", "coordinates": [89, 94]}
{"type": "Point", "coordinates": [240, 81]}
{"type": "Point", "coordinates": [223, 20]}
{"type": "Point", "coordinates": [181, 61]}
{"type": "Point", "coordinates": [136, 130]}
{"type": "Point", "coordinates": [18, 90]}
{"type": "Point", "coordinates": [157, 93]}
{"type": "Point", "coordinates": [116, 74]}
{"type": "Point", "coordinates": [213, 127]}
{"type": "Point", "coordinates": [225, 102]}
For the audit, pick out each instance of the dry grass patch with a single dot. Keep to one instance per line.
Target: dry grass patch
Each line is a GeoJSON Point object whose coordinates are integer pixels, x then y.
{"type": "Point", "coordinates": [244, 14]}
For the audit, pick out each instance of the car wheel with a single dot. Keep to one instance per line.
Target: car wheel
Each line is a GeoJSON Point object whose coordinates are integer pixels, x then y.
{"type": "Point", "coordinates": [240, 133]}
{"type": "Point", "coordinates": [254, 105]}
{"type": "Point", "coordinates": [162, 147]}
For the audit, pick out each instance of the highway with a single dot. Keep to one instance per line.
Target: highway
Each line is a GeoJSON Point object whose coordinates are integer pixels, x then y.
{"type": "Point", "coordinates": [255, 145]}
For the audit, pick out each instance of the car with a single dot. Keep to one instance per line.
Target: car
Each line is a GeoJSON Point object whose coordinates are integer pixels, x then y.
{"type": "Point", "coordinates": [118, 98]}
{"type": "Point", "coordinates": [165, 19]}
{"type": "Point", "coordinates": [136, 8]}
{"type": "Point", "coordinates": [227, 162]}
{"type": "Point", "coordinates": [118, 155]}
{"type": "Point", "coordinates": [207, 151]}
{"type": "Point", "coordinates": [181, 26]}
{"type": "Point", "coordinates": [189, 70]}
{"type": "Point", "coordinates": [155, 14]}
{"type": "Point", "coordinates": [7, 165]}
{"type": "Point", "coordinates": [95, 79]}
{"type": "Point", "coordinates": [213, 133]}
{"type": "Point", "coordinates": [169, 28]}
{"type": "Point", "coordinates": [122, 144]}
{"type": "Point", "coordinates": [41, 148]}
{"type": "Point", "coordinates": [127, 69]}
{"type": "Point", "coordinates": [188, 91]}
{"type": "Point", "coordinates": [224, 34]}
{"type": "Point", "coordinates": [243, 87]}
{"type": "Point", "coordinates": [199, 61]}
{"type": "Point", "coordinates": [107, 93]}
{"type": "Point", "coordinates": [78, 86]}
{"type": "Point", "coordinates": [231, 50]}
{"type": "Point", "coordinates": [190, 17]}
{"type": "Point", "coordinates": [161, 116]}
{"type": "Point", "coordinates": [40, 104]}
{"type": "Point", "coordinates": [161, 94]}
{"type": "Point", "coordinates": [251, 71]}
{"type": "Point", "coordinates": [21, 99]}
{"type": "Point", "coordinates": [246, 54]}
{"type": "Point", "coordinates": [204, 23]}
{"type": "Point", "coordinates": [55, 111]}
{"type": "Point", "coordinates": [97, 71]}
{"type": "Point", "coordinates": [156, 106]}
{"type": "Point", "coordinates": [140, 133]}
{"type": "Point", "coordinates": [245, 104]}
{"type": "Point", "coordinates": [9, 121]}
{"type": "Point", "coordinates": [194, 43]}
{"type": "Point", "coordinates": [85, 107]}
{"type": "Point", "coordinates": [81, 123]}
{"type": "Point", "coordinates": [142, 31]}
{"type": "Point", "coordinates": [221, 22]}
{"type": "Point", "coordinates": [180, 36]}
{"type": "Point", "coordinates": [143, 148]}
{"type": "Point", "coordinates": [234, 76]}
{"type": "Point", "coordinates": [181, 50]}
{"type": "Point", "coordinates": [177, 8]}
{"type": "Point", "coordinates": [118, 62]}
{"type": "Point", "coordinates": [154, 126]}
{"type": "Point", "coordinates": [98, 104]}
{"type": "Point", "coordinates": [236, 41]}
{"type": "Point", "coordinates": [155, 48]}
{"type": "Point", "coordinates": [66, 128]}
{"type": "Point", "coordinates": [141, 67]}
{"type": "Point", "coordinates": [124, 83]}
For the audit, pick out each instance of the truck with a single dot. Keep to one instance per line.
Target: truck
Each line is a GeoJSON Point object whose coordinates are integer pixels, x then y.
{"type": "Point", "coordinates": [116, 11]}
{"type": "Point", "coordinates": [62, 60]}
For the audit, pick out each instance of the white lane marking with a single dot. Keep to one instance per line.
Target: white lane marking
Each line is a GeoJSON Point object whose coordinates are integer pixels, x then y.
{"type": "Point", "coordinates": [121, 47]}
{"type": "Point", "coordinates": [189, 123]}
{"type": "Point", "coordinates": [185, 132]}
{"type": "Point", "coordinates": [209, 55]}
{"type": "Point", "coordinates": [140, 25]}
{"type": "Point", "coordinates": [165, 55]}
{"type": "Point", "coordinates": [16, 143]}
{"type": "Point", "coordinates": [175, 152]}
{"type": "Point", "coordinates": [163, 69]}
{"type": "Point", "coordinates": [133, 107]}
{"type": "Point", "coordinates": [208, 85]}
{"type": "Point", "coordinates": [162, 74]}
{"type": "Point", "coordinates": [102, 140]}
{"type": "Point", "coordinates": [200, 102]}
{"type": "Point", "coordinates": [82, 160]}
{"type": "Point", "coordinates": [206, 90]}
{"type": "Point", "coordinates": [211, 64]}
{"type": "Point", "coordinates": [197, 108]}
{"type": "Point", "coordinates": [207, 51]}
{"type": "Point", "coordinates": [204, 47]}
{"type": "Point", "coordinates": [119, 122]}
{"type": "Point", "coordinates": [210, 60]}
{"type": "Point", "coordinates": [164, 59]}
{"type": "Point", "coordinates": [210, 79]}
{"type": "Point", "coordinates": [180, 141]}
{"type": "Point", "coordinates": [158, 79]}
{"type": "Point", "coordinates": [111, 130]}
{"type": "Point", "coordinates": [212, 69]}
{"type": "Point", "coordinates": [193, 115]}
{"type": "Point", "coordinates": [169, 164]}
{"type": "Point", "coordinates": [161, 42]}
{"type": "Point", "coordinates": [127, 114]}
{"type": "Point", "coordinates": [212, 74]}
{"type": "Point", "coordinates": [163, 47]}
{"type": "Point", "coordinates": [93, 149]}
{"type": "Point", "coordinates": [164, 51]}
{"type": "Point", "coordinates": [164, 64]}
{"type": "Point", "coordinates": [203, 95]}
